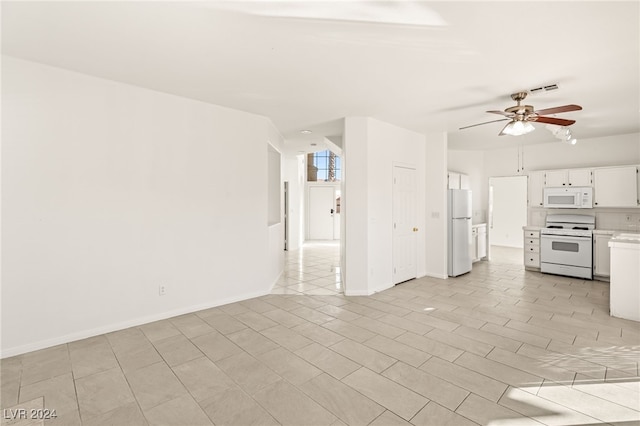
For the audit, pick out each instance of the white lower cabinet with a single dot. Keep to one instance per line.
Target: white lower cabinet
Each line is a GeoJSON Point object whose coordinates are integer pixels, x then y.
{"type": "Point", "coordinates": [532, 249]}
{"type": "Point", "coordinates": [482, 241]}
{"type": "Point", "coordinates": [601, 255]}
{"type": "Point", "coordinates": [478, 242]}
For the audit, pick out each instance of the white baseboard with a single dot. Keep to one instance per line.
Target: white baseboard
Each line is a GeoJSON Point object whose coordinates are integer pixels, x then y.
{"type": "Point", "coordinates": [273, 284]}
{"type": "Point", "coordinates": [357, 293]}
{"type": "Point", "coordinates": [379, 290]}
{"type": "Point", "coordinates": [84, 334]}
{"type": "Point", "coordinates": [437, 275]}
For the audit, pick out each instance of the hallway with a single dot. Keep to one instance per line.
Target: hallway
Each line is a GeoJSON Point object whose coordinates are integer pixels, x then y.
{"type": "Point", "coordinates": [314, 269]}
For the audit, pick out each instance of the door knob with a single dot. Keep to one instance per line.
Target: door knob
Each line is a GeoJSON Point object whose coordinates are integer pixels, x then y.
{"type": "Point", "coordinates": [415, 229]}
{"type": "Point", "coordinates": [331, 211]}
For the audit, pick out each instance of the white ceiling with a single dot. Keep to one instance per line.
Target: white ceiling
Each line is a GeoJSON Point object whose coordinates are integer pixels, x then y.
{"type": "Point", "coordinates": [425, 66]}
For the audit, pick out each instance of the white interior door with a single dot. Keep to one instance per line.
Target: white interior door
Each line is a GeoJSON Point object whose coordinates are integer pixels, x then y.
{"type": "Point", "coordinates": [404, 224]}
{"type": "Point", "coordinates": [321, 212]}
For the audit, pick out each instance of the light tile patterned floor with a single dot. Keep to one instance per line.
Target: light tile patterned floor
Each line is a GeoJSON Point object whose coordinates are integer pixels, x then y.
{"type": "Point", "coordinates": [496, 346]}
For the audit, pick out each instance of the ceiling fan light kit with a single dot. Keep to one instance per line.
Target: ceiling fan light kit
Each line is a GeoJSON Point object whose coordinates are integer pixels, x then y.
{"type": "Point", "coordinates": [522, 116]}
{"type": "Point", "coordinates": [517, 128]}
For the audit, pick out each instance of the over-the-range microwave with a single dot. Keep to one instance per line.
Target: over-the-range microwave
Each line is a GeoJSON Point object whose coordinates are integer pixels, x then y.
{"type": "Point", "coordinates": [568, 198]}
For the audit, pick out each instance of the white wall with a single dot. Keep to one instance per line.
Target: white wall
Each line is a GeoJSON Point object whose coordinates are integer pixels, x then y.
{"type": "Point", "coordinates": [605, 151]}
{"type": "Point", "coordinates": [509, 211]}
{"type": "Point", "coordinates": [436, 205]}
{"type": "Point", "coordinates": [275, 186]}
{"type": "Point", "coordinates": [355, 215]}
{"type": "Point", "coordinates": [389, 146]}
{"type": "Point", "coordinates": [274, 190]}
{"type": "Point", "coordinates": [293, 172]}
{"type": "Point", "coordinates": [110, 190]}
{"type": "Point", "coordinates": [371, 148]}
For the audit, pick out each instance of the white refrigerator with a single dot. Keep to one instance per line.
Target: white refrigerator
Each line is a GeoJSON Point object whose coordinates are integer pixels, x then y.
{"type": "Point", "coordinates": [459, 224]}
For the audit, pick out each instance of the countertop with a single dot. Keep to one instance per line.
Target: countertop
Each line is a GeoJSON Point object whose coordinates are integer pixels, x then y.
{"type": "Point", "coordinates": [604, 232]}
{"type": "Point", "coordinates": [611, 232]}
{"type": "Point", "coordinates": [625, 240]}
{"type": "Point", "coordinates": [595, 231]}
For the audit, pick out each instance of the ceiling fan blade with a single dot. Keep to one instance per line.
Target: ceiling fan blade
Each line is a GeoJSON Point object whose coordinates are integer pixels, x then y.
{"type": "Point", "coordinates": [480, 124]}
{"type": "Point", "coordinates": [552, 120]}
{"type": "Point", "coordinates": [506, 114]}
{"type": "Point", "coordinates": [556, 110]}
{"type": "Point", "coordinates": [502, 133]}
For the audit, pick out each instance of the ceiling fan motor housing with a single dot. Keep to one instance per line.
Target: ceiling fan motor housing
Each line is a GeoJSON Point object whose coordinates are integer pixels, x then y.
{"type": "Point", "coordinates": [520, 110]}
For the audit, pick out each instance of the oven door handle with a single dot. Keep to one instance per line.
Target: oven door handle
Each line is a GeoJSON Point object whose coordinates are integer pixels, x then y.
{"type": "Point", "coordinates": [568, 238]}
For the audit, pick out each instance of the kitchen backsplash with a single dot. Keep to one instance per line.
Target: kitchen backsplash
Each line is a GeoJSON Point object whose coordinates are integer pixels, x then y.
{"type": "Point", "coordinates": [610, 219]}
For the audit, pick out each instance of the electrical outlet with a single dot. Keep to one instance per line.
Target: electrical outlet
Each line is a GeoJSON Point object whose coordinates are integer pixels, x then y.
{"type": "Point", "coordinates": [162, 290]}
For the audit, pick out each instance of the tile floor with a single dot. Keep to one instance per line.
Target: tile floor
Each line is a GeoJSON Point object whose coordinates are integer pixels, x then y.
{"type": "Point", "coordinates": [496, 346]}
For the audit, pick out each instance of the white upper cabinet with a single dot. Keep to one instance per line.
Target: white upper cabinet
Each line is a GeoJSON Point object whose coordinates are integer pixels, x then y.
{"type": "Point", "coordinates": [555, 178]}
{"type": "Point", "coordinates": [454, 180]}
{"type": "Point", "coordinates": [458, 181]}
{"type": "Point", "coordinates": [536, 188]}
{"type": "Point", "coordinates": [571, 177]}
{"type": "Point", "coordinates": [579, 177]}
{"type": "Point", "coordinates": [612, 186]}
{"type": "Point", "coordinates": [464, 182]}
{"type": "Point", "coordinates": [615, 187]}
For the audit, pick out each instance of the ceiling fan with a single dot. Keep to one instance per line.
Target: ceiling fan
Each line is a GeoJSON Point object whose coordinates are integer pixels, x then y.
{"type": "Point", "coordinates": [521, 116]}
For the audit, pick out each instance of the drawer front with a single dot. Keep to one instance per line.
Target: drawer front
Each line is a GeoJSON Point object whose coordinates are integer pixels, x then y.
{"type": "Point", "coordinates": [531, 248]}
{"type": "Point", "coordinates": [532, 259]}
{"type": "Point", "coordinates": [532, 241]}
{"type": "Point", "coordinates": [531, 234]}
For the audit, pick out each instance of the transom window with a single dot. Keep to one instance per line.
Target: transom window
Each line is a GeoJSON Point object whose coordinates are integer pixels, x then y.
{"type": "Point", "coordinates": [323, 166]}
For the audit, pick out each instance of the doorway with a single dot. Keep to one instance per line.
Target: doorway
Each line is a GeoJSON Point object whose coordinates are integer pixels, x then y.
{"type": "Point", "coordinates": [507, 212]}
{"type": "Point", "coordinates": [286, 215]}
{"type": "Point", "coordinates": [404, 224]}
{"type": "Point", "coordinates": [322, 212]}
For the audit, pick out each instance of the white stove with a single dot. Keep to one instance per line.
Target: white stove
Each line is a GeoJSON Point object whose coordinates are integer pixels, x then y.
{"type": "Point", "coordinates": [566, 245]}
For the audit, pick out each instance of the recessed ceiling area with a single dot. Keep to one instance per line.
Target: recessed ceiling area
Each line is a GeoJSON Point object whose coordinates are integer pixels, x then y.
{"type": "Point", "coordinates": [424, 66]}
